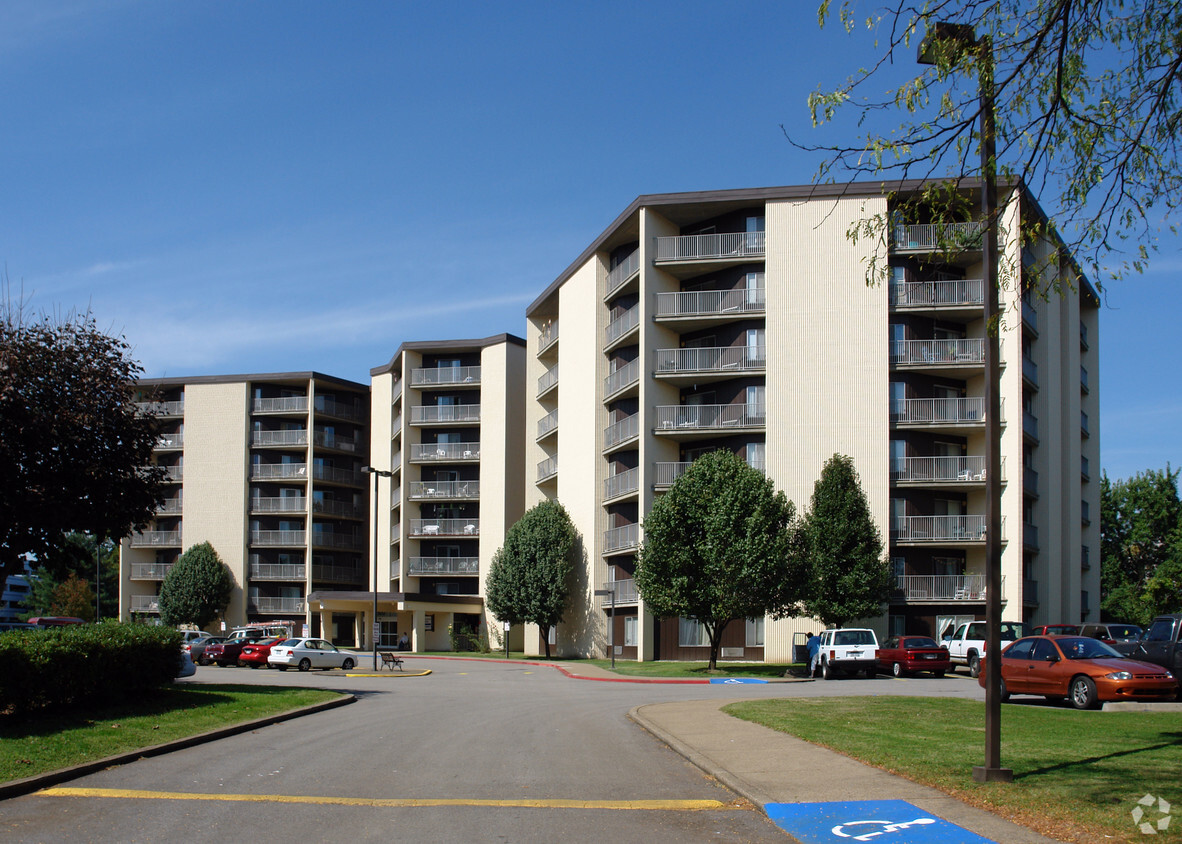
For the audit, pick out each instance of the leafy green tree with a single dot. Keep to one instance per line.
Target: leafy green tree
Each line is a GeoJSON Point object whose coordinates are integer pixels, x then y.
{"type": "Point", "coordinates": [196, 589]}
{"type": "Point", "coordinates": [76, 555]}
{"type": "Point", "coordinates": [1086, 96]}
{"type": "Point", "coordinates": [530, 576]}
{"type": "Point", "coordinates": [850, 577]}
{"type": "Point", "coordinates": [1140, 546]}
{"type": "Point", "coordinates": [719, 546]}
{"type": "Point", "coordinates": [75, 454]}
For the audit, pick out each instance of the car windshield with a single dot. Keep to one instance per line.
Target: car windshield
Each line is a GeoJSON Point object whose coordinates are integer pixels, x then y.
{"type": "Point", "coordinates": [274, 640]}
{"type": "Point", "coordinates": [1125, 632]}
{"type": "Point", "coordinates": [920, 642]}
{"type": "Point", "coordinates": [853, 637]}
{"type": "Point", "coordinates": [1081, 647]}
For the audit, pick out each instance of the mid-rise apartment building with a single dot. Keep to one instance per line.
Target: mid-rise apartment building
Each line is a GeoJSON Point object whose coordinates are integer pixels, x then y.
{"type": "Point", "coordinates": [743, 320]}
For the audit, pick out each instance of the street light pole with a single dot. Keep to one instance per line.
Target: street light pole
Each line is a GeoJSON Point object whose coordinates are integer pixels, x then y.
{"type": "Point", "coordinates": [611, 627]}
{"type": "Point", "coordinates": [961, 38]}
{"type": "Point", "coordinates": [374, 528]}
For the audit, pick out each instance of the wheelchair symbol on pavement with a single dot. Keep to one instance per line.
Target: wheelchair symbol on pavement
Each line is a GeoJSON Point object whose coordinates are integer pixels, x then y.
{"type": "Point", "coordinates": [842, 830]}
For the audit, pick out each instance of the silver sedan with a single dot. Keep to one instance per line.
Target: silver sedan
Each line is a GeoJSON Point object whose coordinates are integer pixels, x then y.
{"type": "Point", "coordinates": [306, 654]}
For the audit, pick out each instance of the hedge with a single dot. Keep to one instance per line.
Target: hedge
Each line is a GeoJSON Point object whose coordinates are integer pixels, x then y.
{"type": "Point", "coordinates": [84, 665]}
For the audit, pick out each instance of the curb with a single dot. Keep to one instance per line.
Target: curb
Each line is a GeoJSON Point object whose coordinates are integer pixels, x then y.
{"type": "Point", "coordinates": [15, 788]}
{"type": "Point", "coordinates": [693, 681]}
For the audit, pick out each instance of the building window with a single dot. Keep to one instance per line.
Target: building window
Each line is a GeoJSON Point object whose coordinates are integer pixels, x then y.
{"type": "Point", "coordinates": [691, 634]}
{"type": "Point", "coordinates": [631, 631]}
{"type": "Point", "coordinates": [755, 632]}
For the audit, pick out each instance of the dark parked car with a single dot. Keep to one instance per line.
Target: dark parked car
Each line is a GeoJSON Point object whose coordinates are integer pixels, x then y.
{"type": "Point", "coordinates": [1122, 637]}
{"type": "Point", "coordinates": [227, 652]}
{"type": "Point", "coordinates": [907, 654]}
{"type": "Point", "coordinates": [1057, 630]}
{"type": "Point", "coordinates": [197, 647]}
{"type": "Point", "coordinates": [1161, 643]}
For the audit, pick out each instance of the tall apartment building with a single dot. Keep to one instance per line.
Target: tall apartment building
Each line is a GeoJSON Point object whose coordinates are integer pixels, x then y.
{"type": "Point", "coordinates": [741, 319]}
{"type": "Point", "coordinates": [267, 469]}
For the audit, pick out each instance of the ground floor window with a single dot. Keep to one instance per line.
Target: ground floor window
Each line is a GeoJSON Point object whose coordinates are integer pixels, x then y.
{"type": "Point", "coordinates": [631, 631]}
{"type": "Point", "coordinates": [755, 632]}
{"type": "Point", "coordinates": [388, 634]}
{"type": "Point", "coordinates": [691, 633]}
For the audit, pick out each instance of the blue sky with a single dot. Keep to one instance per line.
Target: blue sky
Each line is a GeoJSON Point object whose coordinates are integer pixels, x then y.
{"type": "Point", "coordinates": [274, 186]}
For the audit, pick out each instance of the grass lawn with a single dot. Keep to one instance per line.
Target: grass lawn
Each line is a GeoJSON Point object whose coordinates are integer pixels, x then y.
{"type": "Point", "coordinates": [1077, 775]}
{"type": "Point", "coordinates": [661, 668]}
{"type": "Point", "coordinates": [35, 745]}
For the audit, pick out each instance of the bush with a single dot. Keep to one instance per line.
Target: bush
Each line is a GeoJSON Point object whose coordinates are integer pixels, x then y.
{"type": "Point", "coordinates": [84, 665]}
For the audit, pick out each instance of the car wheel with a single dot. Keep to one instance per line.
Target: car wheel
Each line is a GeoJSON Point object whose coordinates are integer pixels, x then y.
{"type": "Point", "coordinates": [1083, 693]}
{"type": "Point", "coordinates": [305, 664]}
{"type": "Point", "coordinates": [872, 673]}
{"type": "Point", "coordinates": [939, 673]}
{"type": "Point", "coordinates": [254, 665]}
{"type": "Point", "coordinates": [281, 667]}
{"type": "Point", "coordinates": [826, 671]}
{"type": "Point", "coordinates": [348, 666]}
{"type": "Point", "coordinates": [897, 669]}
{"type": "Point", "coordinates": [974, 666]}
{"type": "Point", "coordinates": [1005, 693]}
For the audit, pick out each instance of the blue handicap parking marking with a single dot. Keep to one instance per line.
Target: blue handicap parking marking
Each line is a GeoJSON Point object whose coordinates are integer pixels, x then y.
{"type": "Point", "coordinates": [877, 821]}
{"type": "Point", "coordinates": [729, 680]}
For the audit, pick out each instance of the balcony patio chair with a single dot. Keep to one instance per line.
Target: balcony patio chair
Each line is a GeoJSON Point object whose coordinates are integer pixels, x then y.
{"type": "Point", "coordinates": [469, 529]}
{"type": "Point", "coordinates": [431, 530]}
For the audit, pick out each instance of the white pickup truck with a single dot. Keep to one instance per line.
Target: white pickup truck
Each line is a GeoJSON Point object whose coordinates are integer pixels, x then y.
{"type": "Point", "coordinates": [853, 649]}
{"type": "Point", "coordinates": [966, 644]}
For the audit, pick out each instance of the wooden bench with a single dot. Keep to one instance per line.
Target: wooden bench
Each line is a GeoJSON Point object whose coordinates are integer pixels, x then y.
{"type": "Point", "coordinates": [391, 660]}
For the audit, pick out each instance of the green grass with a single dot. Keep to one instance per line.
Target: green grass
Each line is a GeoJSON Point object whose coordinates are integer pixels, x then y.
{"type": "Point", "coordinates": [33, 746]}
{"type": "Point", "coordinates": [1077, 775]}
{"type": "Point", "coordinates": [661, 668]}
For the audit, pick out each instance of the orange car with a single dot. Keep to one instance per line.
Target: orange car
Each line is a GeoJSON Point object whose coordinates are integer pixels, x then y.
{"type": "Point", "coordinates": [1082, 669]}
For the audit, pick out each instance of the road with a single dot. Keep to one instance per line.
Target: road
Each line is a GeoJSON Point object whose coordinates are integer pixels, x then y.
{"type": "Point", "coordinates": [476, 751]}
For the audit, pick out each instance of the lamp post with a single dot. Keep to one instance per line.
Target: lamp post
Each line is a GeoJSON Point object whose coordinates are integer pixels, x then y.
{"type": "Point", "coordinates": [374, 527]}
{"type": "Point", "coordinates": [611, 627]}
{"type": "Point", "coordinates": [955, 39]}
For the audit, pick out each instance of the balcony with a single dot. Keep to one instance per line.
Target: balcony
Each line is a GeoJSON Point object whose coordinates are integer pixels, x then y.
{"type": "Point", "coordinates": [170, 507]}
{"type": "Point", "coordinates": [623, 483]}
{"type": "Point", "coordinates": [145, 603]}
{"type": "Point", "coordinates": [939, 470]}
{"type": "Point", "coordinates": [1083, 381]}
{"type": "Point", "coordinates": [171, 442]}
{"type": "Point", "coordinates": [430, 528]}
{"type": "Point", "coordinates": [284, 504]}
{"type": "Point", "coordinates": [547, 469]}
{"type": "Point", "coordinates": [548, 336]}
{"type": "Point", "coordinates": [685, 418]}
{"type": "Point", "coordinates": [1083, 336]}
{"type": "Point", "coordinates": [174, 473]}
{"type": "Point", "coordinates": [952, 293]}
{"type": "Point", "coordinates": [548, 424]}
{"type": "Point", "coordinates": [436, 490]}
{"type": "Point", "coordinates": [278, 538]}
{"type": "Point", "coordinates": [284, 404]}
{"type": "Point", "coordinates": [943, 587]}
{"type": "Point", "coordinates": [664, 474]}
{"type": "Point", "coordinates": [710, 303]}
{"type": "Point", "coordinates": [716, 360]}
{"type": "Point", "coordinates": [939, 529]}
{"type": "Point", "coordinates": [705, 247]}
{"type": "Point", "coordinates": [621, 432]}
{"type": "Point", "coordinates": [149, 571]}
{"type": "Point", "coordinates": [337, 574]}
{"type": "Point", "coordinates": [548, 381]}
{"type": "Point", "coordinates": [343, 541]}
{"type": "Point", "coordinates": [279, 438]}
{"type": "Point", "coordinates": [445, 376]}
{"type": "Point", "coordinates": [277, 571]}
{"type": "Point", "coordinates": [1084, 468]}
{"type": "Point", "coordinates": [621, 326]}
{"type": "Point", "coordinates": [1083, 425]}
{"type": "Point", "coordinates": [332, 474]}
{"type": "Point", "coordinates": [161, 409]}
{"type": "Point", "coordinates": [939, 411]}
{"type": "Point", "coordinates": [622, 273]}
{"type": "Point", "coordinates": [965, 351]}
{"type": "Point", "coordinates": [261, 604]}
{"type": "Point", "coordinates": [1030, 537]}
{"type": "Point", "coordinates": [433, 566]}
{"type": "Point", "coordinates": [444, 414]}
{"type": "Point", "coordinates": [328, 439]}
{"type": "Point", "coordinates": [1030, 592]}
{"type": "Point", "coordinates": [626, 593]}
{"type": "Point", "coordinates": [617, 540]}
{"type": "Point", "coordinates": [445, 452]}
{"type": "Point", "coordinates": [1029, 316]}
{"type": "Point", "coordinates": [623, 378]}
{"type": "Point", "coordinates": [1030, 481]}
{"type": "Point", "coordinates": [278, 471]}
{"type": "Point", "coordinates": [1030, 425]}
{"type": "Point", "coordinates": [1030, 372]}
{"type": "Point", "coordinates": [347, 509]}
{"type": "Point", "coordinates": [156, 539]}
{"type": "Point", "coordinates": [938, 237]}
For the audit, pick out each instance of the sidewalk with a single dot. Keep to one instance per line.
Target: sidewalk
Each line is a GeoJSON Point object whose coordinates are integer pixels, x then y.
{"type": "Point", "coordinates": [766, 766]}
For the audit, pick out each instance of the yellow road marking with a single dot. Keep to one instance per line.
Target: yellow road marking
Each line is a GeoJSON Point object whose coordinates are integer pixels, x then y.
{"type": "Point", "coordinates": [394, 802]}
{"type": "Point", "coordinates": [388, 674]}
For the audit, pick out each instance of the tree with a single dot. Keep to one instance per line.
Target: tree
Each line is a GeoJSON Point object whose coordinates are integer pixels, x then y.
{"type": "Point", "coordinates": [1140, 546]}
{"type": "Point", "coordinates": [76, 555]}
{"type": "Point", "coordinates": [196, 589]}
{"type": "Point", "coordinates": [1086, 95]}
{"type": "Point", "coordinates": [720, 546]}
{"type": "Point", "coordinates": [529, 579]}
{"type": "Point", "coordinates": [75, 454]}
{"type": "Point", "coordinates": [850, 576]}
{"type": "Point", "coordinates": [73, 597]}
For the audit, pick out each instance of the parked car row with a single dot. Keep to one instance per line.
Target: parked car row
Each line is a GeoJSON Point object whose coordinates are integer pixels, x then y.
{"type": "Point", "coordinates": [253, 647]}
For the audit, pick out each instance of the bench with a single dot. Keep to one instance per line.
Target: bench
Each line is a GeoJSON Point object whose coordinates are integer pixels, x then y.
{"type": "Point", "coordinates": [391, 660]}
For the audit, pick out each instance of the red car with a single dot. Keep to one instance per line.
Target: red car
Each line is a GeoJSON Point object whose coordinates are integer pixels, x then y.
{"type": "Point", "coordinates": [902, 655]}
{"type": "Point", "coordinates": [1079, 668]}
{"type": "Point", "coordinates": [255, 654]}
{"type": "Point", "coordinates": [1057, 630]}
{"type": "Point", "coordinates": [227, 652]}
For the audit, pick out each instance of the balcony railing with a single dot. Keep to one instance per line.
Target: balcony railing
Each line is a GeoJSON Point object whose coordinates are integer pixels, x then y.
{"type": "Point", "coordinates": [444, 452]}
{"type": "Point", "coordinates": [1029, 591]}
{"type": "Point", "coordinates": [626, 592]}
{"type": "Point", "coordinates": [1030, 536]}
{"type": "Point", "coordinates": [711, 359]}
{"type": "Point", "coordinates": [625, 376]}
{"type": "Point", "coordinates": [284, 404]}
{"type": "Point", "coordinates": [547, 423]}
{"type": "Point", "coordinates": [548, 468]}
{"type": "Point", "coordinates": [1030, 370]}
{"type": "Point", "coordinates": [339, 409]}
{"type": "Point", "coordinates": [548, 336]}
{"type": "Point", "coordinates": [169, 441]}
{"type": "Point", "coordinates": [444, 489]}
{"type": "Point", "coordinates": [619, 274]}
{"type": "Point", "coordinates": [935, 294]}
{"type": "Point", "coordinates": [273, 471]}
{"type": "Point", "coordinates": [420, 566]}
{"type": "Point", "coordinates": [943, 587]}
{"type": "Point", "coordinates": [622, 324]}
{"type": "Point", "coordinates": [170, 506]}
{"type": "Point", "coordinates": [285, 605]}
{"type": "Point", "coordinates": [1029, 315]}
{"type": "Point", "coordinates": [145, 603]}
{"type": "Point", "coordinates": [329, 539]}
{"type": "Point", "coordinates": [696, 247]}
{"type": "Point", "coordinates": [1083, 424]}
{"type": "Point", "coordinates": [965, 350]}
{"type": "Point", "coordinates": [549, 379]}
{"type": "Point", "coordinates": [156, 539]}
{"type": "Point", "coordinates": [281, 438]}
{"type": "Point", "coordinates": [149, 571]}
{"type": "Point", "coordinates": [445, 527]}
{"type": "Point", "coordinates": [1029, 480]}
{"type": "Point", "coordinates": [619, 432]}
{"type": "Point", "coordinates": [664, 474]}
{"type": "Point", "coordinates": [292, 538]}
{"type": "Point", "coordinates": [1084, 468]}
{"type": "Point", "coordinates": [337, 574]}
{"type": "Point", "coordinates": [1083, 380]}
{"type": "Point", "coordinates": [277, 571]}
{"type": "Point", "coordinates": [929, 237]}
{"type": "Point", "coordinates": [440, 375]}
{"type": "Point", "coordinates": [940, 529]}
{"type": "Point", "coordinates": [333, 440]}
{"type": "Point", "coordinates": [621, 538]}
{"type": "Point", "coordinates": [293, 504]}
{"type": "Point", "coordinates": [700, 417]}
{"type": "Point", "coordinates": [1030, 424]}
{"type": "Point", "coordinates": [969, 468]}
{"type": "Point", "coordinates": [161, 408]}
{"type": "Point", "coordinates": [939, 411]}
{"type": "Point", "coordinates": [711, 303]}
{"type": "Point", "coordinates": [621, 484]}
{"type": "Point", "coordinates": [425, 414]}
{"type": "Point", "coordinates": [174, 473]}
{"type": "Point", "coordinates": [328, 507]}
{"type": "Point", "coordinates": [339, 476]}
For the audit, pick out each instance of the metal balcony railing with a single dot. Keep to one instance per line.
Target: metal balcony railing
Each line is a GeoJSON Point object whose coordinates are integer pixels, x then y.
{"type": "Point", "coordinates": [161, 408]}
{"type": "Point", "coordinates": [735, 359]}
{"type": "Point", "coordinates": [328, 507]}
{"type": "Point", "coordinates": [711, 303]}
{"type": "Point", "coordinates": [549, 379]}
{"type": "Point", "coordinates": [174, 473]}
{"type": "Point", "coordinates": [622, 324]}
{"type": "Point", "coordinates": [696, 247]}
{"type": "Point", "coordinates": [939, 411]}
{"type": "Point", "coordinates": [339, 476]}
{"type": "Point", "coordinates": [943, 587]}
{"type": "Point", "coordinates": [938, 236]}
{"type": "Point", "coordinates": [281, 438]}
{"type": "Point", "coordinates": [338, 409]}
{"type": "Point", "coordinates": [621, 538]}
{"type": "Point", "coordinates": [328, 439]}
{"type": "Point", "coordinates": [445, 413]}
{"type": "Point", "coordinates": [173, 440]}
{"type": "Point", "coordinates": [283, 404]}
{"type": "Point", "coordinates": [1084, 468]}
{"type": "Point", "coordinates": [1083, 380]}
{"type": "Point", "coordinates": [286, 538]}
{"type": "Point", "coordinates": [626, 592]}
{"type": "Point", "coordinates": [277, 571]}
{"type": "Point", "coordinates": [619, 274]}
{"type": "Point", "coordinates": [940, 529]}
{"type": "Point", "coordinates": [145, 603]}
{"type": "Point", "coordinates": [1029, 315]}
{"type": "Point", "coordinates": [548, 336]}
{"type": "Point", "coordinates": [293, 504]}
{"type": "Point", "coordinates": [345, 541]}
{"type": "Point", "coordinates": [960, 351]}
{"type": "Point", "coordinates": [621, 484]}
{"type": "Point", "coordinates": [698, 417]}
{"type": "Point", "coordinates": [444, 489]}
{"type": "Point", "coordinates": [1083, 424]}
{"type": "Point", "coordinates": [547, 423]}
{"type": "Point", "coordinates": [548, 468]}
{"type": "Point", "coordinates": [442, 375]}
{"type": "Point", "coordinates": [966, 468]}
{"type": "Point", "coordinates": [170, 506]}
{"type": "Point", "coordinates": [619, 432]}
{"type": "Point", "coordinates": [1030, 536]}
{"type": "Point", "coordinates": [625, 376]}
{"type": "Point", "coordinates": [322, 573]}
{"type": "Point", "coordinates": [1030, 424]}
{"type": "Point", "coordinates": [272, 471]}
{"type": "Point", "coordinates": [664, 474]}
{"type": "Point", "coordinates": [264, 604]}
{"type": "Point", "coordinates": [444, 452]}
{"type": "Point", "coordinates": [1029, 480]}
{"type": "Point", "coordinates": [1029, 591]}
{"type": "Point", "coordinates": [1030, 370]}
{"type": "Point", "coordinates": [445, 527]}
{"type": "Point", "coordinates": [156, 539]}
{"type": "Point", "coordinates": [149, 571]}
{"type": "Point", "coordinates": [420, 566]}
{"type": "Point", "coordinates": [934, 294]}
